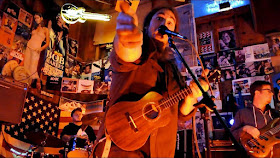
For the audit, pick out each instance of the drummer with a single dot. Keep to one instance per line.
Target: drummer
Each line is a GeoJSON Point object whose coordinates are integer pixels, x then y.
{"type": "Point", "coordinates": [77, 131]}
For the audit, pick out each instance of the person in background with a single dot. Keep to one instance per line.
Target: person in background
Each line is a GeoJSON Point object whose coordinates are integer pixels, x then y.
{"type": "Point", "coordinates": [256, 115]}
{"type": "Point", "coordinates": [77, 132]}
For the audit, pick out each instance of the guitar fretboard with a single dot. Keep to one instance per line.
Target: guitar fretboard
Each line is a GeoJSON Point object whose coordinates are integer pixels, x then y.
{"type": "Point", "coordinates": [176, 97]}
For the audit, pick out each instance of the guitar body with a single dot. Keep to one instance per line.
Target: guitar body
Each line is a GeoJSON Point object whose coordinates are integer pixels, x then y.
{"type": "Point", "coordinates": [129, 124]}
{"type": "Point", "coordinates": [261, 147]}
{"type": "Point", "coordinates": [114, 151]}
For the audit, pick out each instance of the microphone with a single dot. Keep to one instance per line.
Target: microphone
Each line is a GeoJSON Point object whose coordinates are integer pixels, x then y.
{"type": "Point", "coordinates": [164, 30]}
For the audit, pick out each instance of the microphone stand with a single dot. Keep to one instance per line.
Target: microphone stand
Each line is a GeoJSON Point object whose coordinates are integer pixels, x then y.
{"type": "Point", "coordinates": [207, 100]}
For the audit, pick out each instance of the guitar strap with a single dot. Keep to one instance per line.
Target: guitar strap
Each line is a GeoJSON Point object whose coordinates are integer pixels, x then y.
{"type": "Point", "coordinates": [107, 146]}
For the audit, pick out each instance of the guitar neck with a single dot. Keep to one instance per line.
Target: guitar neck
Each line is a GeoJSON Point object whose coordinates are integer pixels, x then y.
{"type": "Point", "coordinates": [273, 130]}
{"type": "Point", "coordinates": [176, 97]}
{"type": "Point", "coordinates": [95, 16]}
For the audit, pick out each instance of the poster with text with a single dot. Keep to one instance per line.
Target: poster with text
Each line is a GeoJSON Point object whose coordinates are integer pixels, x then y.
{"type": "Point", "coordinates": [9, 24]}
{"type": "Point", "coordinates": [54, 64]}
{"type": "Point", "coordinates": [25, 17]}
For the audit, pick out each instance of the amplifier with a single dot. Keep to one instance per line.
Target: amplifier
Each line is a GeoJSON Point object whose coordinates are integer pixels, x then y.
{"type": "Point", "coordinates": [12, 99]}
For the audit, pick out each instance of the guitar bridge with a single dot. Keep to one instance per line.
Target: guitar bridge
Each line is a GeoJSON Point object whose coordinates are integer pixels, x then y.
{"type": "Point", "coordinates": [131, 122]}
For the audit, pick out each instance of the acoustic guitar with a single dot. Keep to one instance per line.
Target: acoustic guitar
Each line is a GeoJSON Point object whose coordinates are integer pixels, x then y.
{"type": "Point", "coordinates": [129, 124]}
{"type": "Point", "coordinates": [261, 146]}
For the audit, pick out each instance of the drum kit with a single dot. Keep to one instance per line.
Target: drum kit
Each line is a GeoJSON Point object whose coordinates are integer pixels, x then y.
{"type": "Point", "coordinates": [49, 146]}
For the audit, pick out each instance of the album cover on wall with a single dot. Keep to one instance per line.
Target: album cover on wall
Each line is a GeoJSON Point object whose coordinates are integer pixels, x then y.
{"type": "Point", "coordinates": [273, 41]}
{"type": "Point", "coordinates": [241, 86]}
{"type": "Point", "coordinates": [100, 87]}
{"type": "Point", "coordinates": [209, 61]}
{"type": "Point", "coordinates": [73, 47]}
{"type": "Point", "coordinates": [240, 56]}
{"type": "Point", "coordinates": [226, 58]}
{"type": "Point", "coordinates": [12, 9]}
{"type": "Point", "coordinates": [261, 51]}
{"type": "Point", "coordinates": [245, 70]}
{"type": "Point", "coordinates": [85, 86]}
{"type": "Point", "coordinates": [25, 17]}
{"type": "Point", "coordinates": [228, 73]}
{"type": "Point", "coordinates": [263, 67]}
{"type": "Point", "coordinates": [69, 85]}
{"type": "Point", "coordinates": [206, 42]}
{"type": "Point", "coordinates": [227, 38]}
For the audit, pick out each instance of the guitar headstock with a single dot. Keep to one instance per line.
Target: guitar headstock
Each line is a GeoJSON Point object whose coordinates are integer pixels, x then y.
{"type": "Point", "coordinates": [71, 14]}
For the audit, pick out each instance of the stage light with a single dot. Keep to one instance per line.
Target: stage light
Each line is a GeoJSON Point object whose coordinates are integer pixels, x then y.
{"type": "Point", "coordinates": [231, 121]}
{"type": "Point", "coordinates": [72, 14]}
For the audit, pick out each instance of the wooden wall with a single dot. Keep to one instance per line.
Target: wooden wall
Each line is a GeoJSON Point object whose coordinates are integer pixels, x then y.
{"type": "Point", "coordinates": [240, 18]}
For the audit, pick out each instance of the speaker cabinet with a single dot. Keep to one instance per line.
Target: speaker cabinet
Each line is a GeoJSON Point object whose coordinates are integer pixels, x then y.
{"type": "Point", "coordinates": [12, 99]}
{"type": "Point", "coordinates": [184, 144]}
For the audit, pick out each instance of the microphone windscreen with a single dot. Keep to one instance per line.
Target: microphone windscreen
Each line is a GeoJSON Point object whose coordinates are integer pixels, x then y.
{"type": "Point", "coordinates": [162, 29]}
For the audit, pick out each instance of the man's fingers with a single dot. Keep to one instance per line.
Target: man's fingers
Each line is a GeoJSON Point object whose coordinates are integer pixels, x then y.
{"type": "Point", "coordinates": [125, 19]}
{"type": "Point", "coordinates": [132, 37]}
{"type": "Point", "coordinates": [126, 29]}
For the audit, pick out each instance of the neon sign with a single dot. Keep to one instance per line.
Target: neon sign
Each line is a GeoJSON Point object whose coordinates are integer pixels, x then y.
{"type": "Point", "coordinates": [72, 14]}
{"type": "Point", "coordinates": [214, 7]}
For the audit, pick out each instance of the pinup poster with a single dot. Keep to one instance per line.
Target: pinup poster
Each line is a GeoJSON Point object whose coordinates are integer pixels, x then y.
{"type": "Point", "coordinates": [69, 85]}
{"type": "Point", "coordinates": [227, 38]}
{"type": "Point", "coordinates": [25, 17]}
{"type": "Point", "coordinates": [206, 42]}
{"type": "Point", "coordinates": [241, 85]}
{"type": "Point", "coordinates": [85, 86]}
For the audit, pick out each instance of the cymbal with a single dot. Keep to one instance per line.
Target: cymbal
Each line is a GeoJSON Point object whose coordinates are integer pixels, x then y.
{"type": "Point", "coordinates": [93, 118]}
{"type": "Point", "coordinates": [44, 140]}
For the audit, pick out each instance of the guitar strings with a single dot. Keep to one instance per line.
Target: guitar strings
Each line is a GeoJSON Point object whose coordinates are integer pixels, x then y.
{"type": "Point", "coordinates": [187, 92]}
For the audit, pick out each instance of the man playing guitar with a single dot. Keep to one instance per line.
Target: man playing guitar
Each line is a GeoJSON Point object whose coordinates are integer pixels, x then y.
{"type": "Point", "coordinates": [140, 64]}
{"type": "Point", "coordinates": [252, 119]}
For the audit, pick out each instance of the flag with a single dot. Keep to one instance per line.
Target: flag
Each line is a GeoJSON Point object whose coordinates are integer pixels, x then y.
{"type": "Point", "coordinates": [38, 115]}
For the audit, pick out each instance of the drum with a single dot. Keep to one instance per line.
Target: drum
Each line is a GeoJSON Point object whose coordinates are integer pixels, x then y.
{"type": "Point", "coordinates": [78, 152]}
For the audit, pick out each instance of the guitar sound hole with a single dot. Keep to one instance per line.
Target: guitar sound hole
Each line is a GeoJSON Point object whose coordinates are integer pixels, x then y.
{"type": "Point", "coordinates": [151, 111]}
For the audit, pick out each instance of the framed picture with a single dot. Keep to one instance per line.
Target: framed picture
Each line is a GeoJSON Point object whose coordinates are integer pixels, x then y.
{"type": "Point", "coordinates": [73, 47]}
{"type": "Point", "coordinates": [241, 85]}
{"type": "Point", "coordinates": [25, 17]}
{"type": "Point", "coordinates": [273, 40]}
{"type": "Point", "coordinates": [206, 42]}
{"type": "Point", "coordinates": [227, 38]}
{"type": "Point", "coordinates": [69, 85]}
